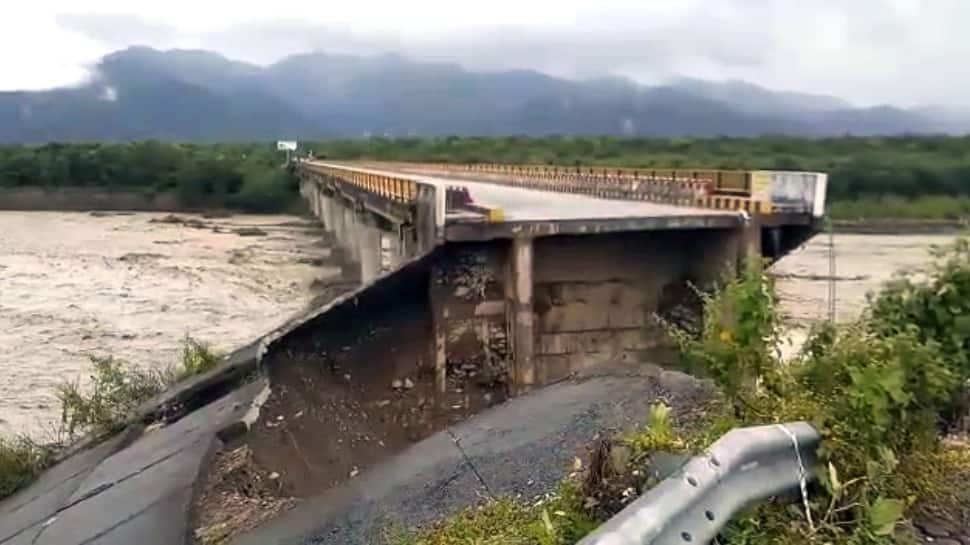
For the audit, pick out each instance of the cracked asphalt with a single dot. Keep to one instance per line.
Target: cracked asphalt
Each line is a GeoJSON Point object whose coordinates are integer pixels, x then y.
{"type": "Point", "coordinates": [524, 446]}
{"type": "Point", "coordinates": [127, 489]}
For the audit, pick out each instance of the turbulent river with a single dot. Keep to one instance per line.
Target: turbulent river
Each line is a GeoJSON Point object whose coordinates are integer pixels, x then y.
{"type": "Point", "coordinates": [73, 285]}
{"type": "Point", "coordinates": [132, 286]}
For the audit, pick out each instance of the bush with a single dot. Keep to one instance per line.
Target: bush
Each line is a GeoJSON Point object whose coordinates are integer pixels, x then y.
{"type": "Point", "coordinates": [21, 460]}
{"type": "Point", "coordinates": [117, 389]}
{"type": "Point", "coordinates": [877, 389]}
{"type": "Point", "coordinates": [558, 520]}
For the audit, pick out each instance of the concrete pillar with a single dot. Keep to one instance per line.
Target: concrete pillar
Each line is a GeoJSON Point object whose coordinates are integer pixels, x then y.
{"type": "Point", "coordinates": [521, 316]}
{"type": "Point", "coordinates": [332, 215]}
{"type": "Point", "coordinates": [350, 233]}
{"type": "Point", "coordinates": [750, 242]}
{"type": "Point", "coordinates": [369, 246]}
{"type": "Point", "coordinates": [325, 211]}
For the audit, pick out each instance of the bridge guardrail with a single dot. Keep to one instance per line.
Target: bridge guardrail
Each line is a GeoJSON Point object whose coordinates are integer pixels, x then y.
{"type": "Point", "coordinates": [725, 190]}
{"type": "Point", "coordinates": [757, 192]}
{"type": "Point", "coordinates": [396, 189]}
{"type": "Point", "coordinates": [693, 505]}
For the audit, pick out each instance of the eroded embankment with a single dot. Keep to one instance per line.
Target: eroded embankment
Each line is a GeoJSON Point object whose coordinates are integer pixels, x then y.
{"type": "Point", "coordinates": [353, 396]}
{"type": "Point", "coordinates": [355, 385]}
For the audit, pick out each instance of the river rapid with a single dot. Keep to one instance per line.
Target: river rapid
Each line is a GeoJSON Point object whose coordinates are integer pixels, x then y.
{"type": "Point", "coordinates": [132, 286]}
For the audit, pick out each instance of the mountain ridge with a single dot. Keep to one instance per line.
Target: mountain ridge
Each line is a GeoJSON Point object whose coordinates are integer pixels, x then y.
{"type": "Point", "coordinates": [200, 95]}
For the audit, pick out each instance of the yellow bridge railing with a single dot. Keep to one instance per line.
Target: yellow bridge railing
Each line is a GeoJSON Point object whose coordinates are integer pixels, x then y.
{"type": "Point", "coordinates": [717, 189]}
{"type": "Point", "coordinates": [393, 188]}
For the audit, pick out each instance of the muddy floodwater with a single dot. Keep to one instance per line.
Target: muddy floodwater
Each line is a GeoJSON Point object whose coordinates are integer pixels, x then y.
{"type": "Point", "coordinates": [862, 264]}
{"type": "Point", "coordinates": [133, 286]}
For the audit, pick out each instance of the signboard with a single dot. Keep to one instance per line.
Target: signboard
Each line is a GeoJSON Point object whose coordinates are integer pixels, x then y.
{"type": "Point", "coordinates": [794, 191]}
{"type": "Point", "coordinates": [285, 145]}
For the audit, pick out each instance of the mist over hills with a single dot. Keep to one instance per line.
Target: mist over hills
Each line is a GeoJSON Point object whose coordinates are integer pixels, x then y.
{"type": "Point", "coordinates": [140, 93]}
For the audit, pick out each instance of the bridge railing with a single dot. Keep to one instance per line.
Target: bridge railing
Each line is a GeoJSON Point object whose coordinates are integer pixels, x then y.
{"type": "Point", "coordinates": [402, 190]}
{"type": "Point", "coordinates": [763, 192]}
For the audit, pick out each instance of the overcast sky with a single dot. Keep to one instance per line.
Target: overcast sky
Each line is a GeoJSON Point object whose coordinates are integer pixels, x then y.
{"type": "Point", "coordinates": [904, 52]}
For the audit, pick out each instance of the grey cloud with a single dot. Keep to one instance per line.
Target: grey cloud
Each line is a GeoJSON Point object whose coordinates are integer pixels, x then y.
{"type": "Point", "coordinates": [868, 51]}
{"type": "Point", "coordinates": [117, 29]}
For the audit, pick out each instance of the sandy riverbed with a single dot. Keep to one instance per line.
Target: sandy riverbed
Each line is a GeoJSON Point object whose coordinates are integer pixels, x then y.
{"type": "Point", "coordinates": [74, 285]}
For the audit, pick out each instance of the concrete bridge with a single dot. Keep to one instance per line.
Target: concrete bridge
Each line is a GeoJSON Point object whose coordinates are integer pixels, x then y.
{"type": "Point", "coordinates": [386, 403]}
{"type": "Point", "coordinates": [552, 269]}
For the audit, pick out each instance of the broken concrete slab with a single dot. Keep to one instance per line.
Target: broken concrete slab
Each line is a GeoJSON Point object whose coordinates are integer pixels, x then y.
{"type": "Point", "coordinates": [139, 494]}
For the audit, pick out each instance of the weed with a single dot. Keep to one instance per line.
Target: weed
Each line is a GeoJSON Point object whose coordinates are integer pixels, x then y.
{"type": "Point", "coordinates": [117, 388]}
{"type": "Point", "coordinates": [21, 460]}
{"type": "Point", "coordinates": [559, 520]}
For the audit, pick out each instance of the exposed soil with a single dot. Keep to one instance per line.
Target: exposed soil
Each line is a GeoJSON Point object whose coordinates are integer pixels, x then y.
{"type": "Point", "coordinates": [355, 395]}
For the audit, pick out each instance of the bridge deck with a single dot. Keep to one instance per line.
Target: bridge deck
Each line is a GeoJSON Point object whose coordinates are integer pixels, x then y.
{"type": "Point", "coordinates": [562, 212]}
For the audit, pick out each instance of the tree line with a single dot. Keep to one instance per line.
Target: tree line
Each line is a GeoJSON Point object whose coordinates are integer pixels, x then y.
{"type": "Point", "coordinates": [899, 176]}
{"type": "Point", "coordinates": [243, 176]}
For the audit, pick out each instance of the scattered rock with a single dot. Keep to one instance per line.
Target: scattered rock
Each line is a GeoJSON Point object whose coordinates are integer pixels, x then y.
{"type": "Point", "coordinates": [932, 528]}
{"type": "Point", "coordinates": [298, 414]}
{"type": "Point", "coordinates": [397, 384]}
{"type": "Point", "coordinates": [383, 403]}
{"type": "Point", "coordinates": [177, 220]}
{"type": "Point", "coordinates": [315, 261]}
{"type": "Point", "coordinates": [273, 476]}
{"type": "Point", "coordinates": [408, 384]}
{"type": "Point", "coordinates": [354, 472]}
{"type": "Point", "coordinates": [250, 232]}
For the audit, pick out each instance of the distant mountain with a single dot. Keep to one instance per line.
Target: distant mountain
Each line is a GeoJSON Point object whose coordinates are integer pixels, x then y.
{"type": "Point", "coordinates": [199, 95]}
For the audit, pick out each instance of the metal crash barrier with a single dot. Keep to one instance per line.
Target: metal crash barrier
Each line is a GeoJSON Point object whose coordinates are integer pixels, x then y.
{"type": "Point", "coordinates": [692, 506]}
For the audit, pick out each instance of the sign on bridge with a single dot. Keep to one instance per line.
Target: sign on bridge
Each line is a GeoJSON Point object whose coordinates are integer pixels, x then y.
{"type": "Point", "coordinates": [286, 145]}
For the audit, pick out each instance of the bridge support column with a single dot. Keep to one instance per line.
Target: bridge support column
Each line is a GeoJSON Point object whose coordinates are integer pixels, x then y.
{"type": "Point", "coordinates": [521, 317]}
{"type": "Point", "coordinates": [325, 210]}
{"type": "Point", "coordinates": [749, 247]}
{"type": "Point", "coordinates": [350, 229]}
{"type": "Point", "coordinates": [392, 251]}
{"type": "Point", "coordinates": [369, 246]}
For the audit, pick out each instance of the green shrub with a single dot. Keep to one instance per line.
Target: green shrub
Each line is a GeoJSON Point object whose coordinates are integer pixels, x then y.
{"type": "Point", "coordinates": [559, 520]}
{"type": "Point", "coordinates": [117, 389]}
{"type": "Point", "coordinates": [21, 460]}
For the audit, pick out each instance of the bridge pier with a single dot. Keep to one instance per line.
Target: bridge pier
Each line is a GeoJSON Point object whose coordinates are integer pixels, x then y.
{"type": "Point", "coordinates": [749, 242]}
{"type": "Point", "coordinates": [520, 312]}
{"type": "Point", "coordinates": [369, 247]}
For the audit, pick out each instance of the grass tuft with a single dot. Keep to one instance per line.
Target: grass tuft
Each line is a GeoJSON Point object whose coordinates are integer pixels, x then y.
{"type": "Point", "coordinates": [21, 460]}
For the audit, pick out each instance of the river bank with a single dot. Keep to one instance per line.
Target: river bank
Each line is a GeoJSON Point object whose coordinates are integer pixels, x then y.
{"type": "Point", "coordinates": [133, 286]}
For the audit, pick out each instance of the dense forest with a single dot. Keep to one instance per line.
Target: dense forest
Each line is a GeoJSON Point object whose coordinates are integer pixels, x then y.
{"type": "Point", "coordinates": [238, 176]}
{"type": "Point", "coordinates": [898, 177]}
